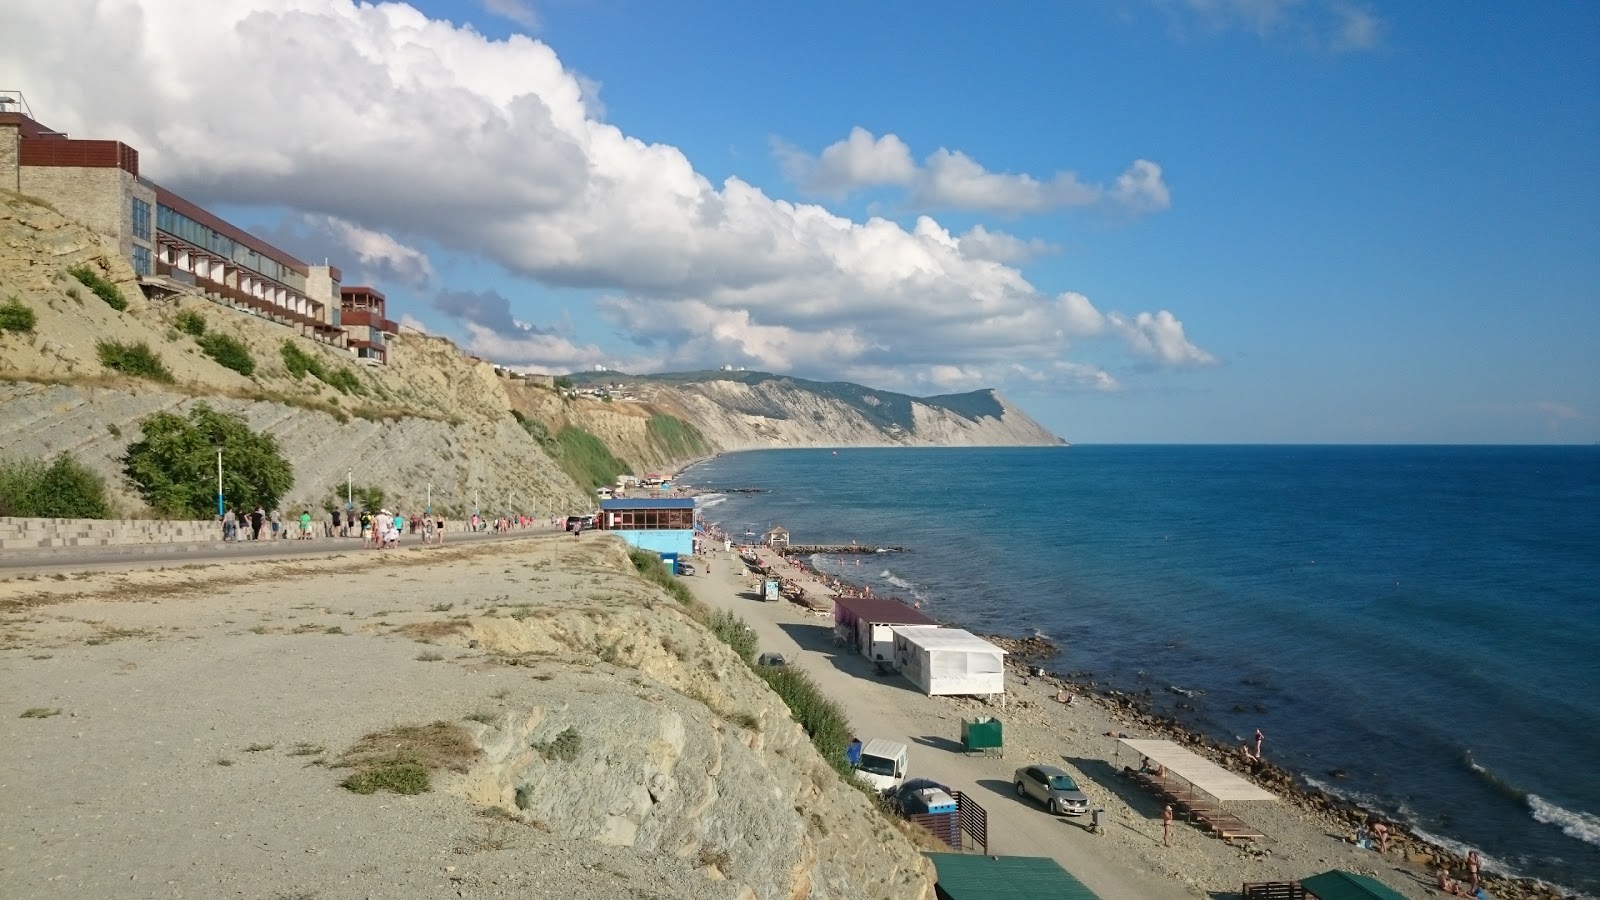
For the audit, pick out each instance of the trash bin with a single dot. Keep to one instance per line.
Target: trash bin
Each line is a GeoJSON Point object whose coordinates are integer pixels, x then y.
{"type": "Point", "coordinates": [1094, 820]}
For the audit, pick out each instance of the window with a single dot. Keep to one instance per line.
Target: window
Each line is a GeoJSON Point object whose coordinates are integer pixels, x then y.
{"type": "Point", "coordinates": [141, 221]}
{"type": "Point", "coordinates": [141, 256]}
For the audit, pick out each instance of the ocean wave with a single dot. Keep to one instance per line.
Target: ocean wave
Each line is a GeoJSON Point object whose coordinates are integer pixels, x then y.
{"type": "Point", "coordinates": [706, 501]}
{"type": "Point", "coordinates": [1487, 862]}
{"type": "Point", "coordinates": [1495, 781]}
{"type": "Point", "coordinates": [1581, 825]}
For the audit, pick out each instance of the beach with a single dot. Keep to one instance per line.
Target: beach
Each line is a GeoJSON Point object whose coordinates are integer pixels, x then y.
{"type": "Point", "coordinates": [1128, 859]}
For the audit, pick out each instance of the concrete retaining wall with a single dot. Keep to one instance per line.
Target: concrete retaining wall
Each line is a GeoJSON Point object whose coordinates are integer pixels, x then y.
{"type": "Point", "coordinates": [37, 534]}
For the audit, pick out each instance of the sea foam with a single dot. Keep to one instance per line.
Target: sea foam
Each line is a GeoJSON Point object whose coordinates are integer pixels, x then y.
{"type": "Point", "coordinates": [1581, 825]}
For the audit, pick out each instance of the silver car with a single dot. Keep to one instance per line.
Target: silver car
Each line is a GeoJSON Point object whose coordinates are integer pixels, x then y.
{"type": "Point", "coordinates": [1052, 787]}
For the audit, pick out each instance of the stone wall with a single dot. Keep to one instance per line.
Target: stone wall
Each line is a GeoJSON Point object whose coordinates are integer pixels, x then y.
{"type": "Point", "coordinates": [100, 198]}
{"type": "Point", "coordinates": [10, 152]}
{"type": "Point", "coordinates": [43, 534]}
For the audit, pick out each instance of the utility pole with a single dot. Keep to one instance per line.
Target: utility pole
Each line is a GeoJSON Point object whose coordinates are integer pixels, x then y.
{"type": "Point", "coordinates": [219, 480]}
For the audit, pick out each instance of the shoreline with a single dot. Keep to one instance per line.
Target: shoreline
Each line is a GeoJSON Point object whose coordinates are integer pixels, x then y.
{"type": "Point", "coordinates": [1409, 846]}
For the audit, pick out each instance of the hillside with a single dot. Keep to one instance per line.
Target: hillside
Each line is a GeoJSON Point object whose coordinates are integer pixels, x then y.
{"type": "Point", "coordinates": [433, 417]}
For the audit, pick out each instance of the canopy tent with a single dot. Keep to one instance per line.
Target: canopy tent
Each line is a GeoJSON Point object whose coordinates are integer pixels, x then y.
{"type": "Point", "coordinates": [944, 661]}
{"type": "Point", "coordinates": [1341, 885]}
{"type": "Point", "coordinates": [1205, 775]}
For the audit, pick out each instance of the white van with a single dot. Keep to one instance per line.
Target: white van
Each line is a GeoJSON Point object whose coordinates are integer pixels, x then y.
{"type": "Point", "coordinates": [882, 764]}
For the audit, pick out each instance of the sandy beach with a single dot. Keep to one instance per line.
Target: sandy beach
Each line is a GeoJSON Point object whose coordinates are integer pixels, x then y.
{"type": "Point", "coordinates": [1128, 860]}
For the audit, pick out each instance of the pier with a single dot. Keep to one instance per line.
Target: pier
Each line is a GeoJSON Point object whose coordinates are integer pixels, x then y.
{"type": "Point", "coordinates": [808, 549]}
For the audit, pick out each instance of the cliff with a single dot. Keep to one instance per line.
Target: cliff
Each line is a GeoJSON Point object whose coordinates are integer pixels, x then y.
{"type": "Point", "coordinates": [433, 416]}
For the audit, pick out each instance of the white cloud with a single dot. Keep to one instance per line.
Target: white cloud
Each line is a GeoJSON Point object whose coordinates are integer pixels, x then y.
{"type": "Point", "coordinates": [407, 320]}
{"type": "Point", "coordinates": [1160, 337]}
{"type": "Point", "coordinates": [404, 131]}
{"type": "Point", "coordinates": [1336, 26]}
{"type": "Point", "coordinates": [997, 246]}
{"type": "Point", "coordinates": [518, 11]}
{"type": "Point", "coordinates": [858, 161]}
{"type": "Point", "coordinates": [377, 250]}
{"type": "Point", "coordinates": [949, 179]}
{"type": "Point", "coordinates": [1558, 411]}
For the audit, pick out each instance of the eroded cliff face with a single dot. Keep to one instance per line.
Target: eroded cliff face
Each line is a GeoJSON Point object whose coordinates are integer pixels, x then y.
{"type": "Point", "coordinates": [431, 416]}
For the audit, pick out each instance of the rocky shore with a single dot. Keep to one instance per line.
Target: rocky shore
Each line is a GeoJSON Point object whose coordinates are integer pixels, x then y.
{"type": "Point", "coordinates": [1026, 656]}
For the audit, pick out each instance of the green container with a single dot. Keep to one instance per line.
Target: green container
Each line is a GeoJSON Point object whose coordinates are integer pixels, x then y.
{"type": "Point", "coordinates": [982, 735]}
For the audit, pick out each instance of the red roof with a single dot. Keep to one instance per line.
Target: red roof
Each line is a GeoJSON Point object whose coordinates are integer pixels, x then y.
{"type": "Point", "coordinates": [884, 610]}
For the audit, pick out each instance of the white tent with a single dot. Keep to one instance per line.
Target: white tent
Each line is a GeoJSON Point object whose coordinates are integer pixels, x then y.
{"type": "Point", "coordinates": [949, 660]}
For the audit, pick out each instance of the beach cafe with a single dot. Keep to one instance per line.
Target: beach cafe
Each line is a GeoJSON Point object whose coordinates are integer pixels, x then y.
{"type": "Point", "coordinates": [663, 525]}
{"type": "Point", "coordinates": [946, 661]}
{"type": "Point", "coordinates": [1195, 786]}
{"type": "Point", "coordinates": [867, 623]}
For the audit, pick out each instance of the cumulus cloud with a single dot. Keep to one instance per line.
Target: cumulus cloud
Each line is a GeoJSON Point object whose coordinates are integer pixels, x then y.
{"type": "Point", "coordinates": [997, 246]}
{"type": "Point", "coordinates": [402, 131]}
{"type": "Point", "coordinates": [950, 179]}
{"type": "Point", "coordinates": [860, 160]}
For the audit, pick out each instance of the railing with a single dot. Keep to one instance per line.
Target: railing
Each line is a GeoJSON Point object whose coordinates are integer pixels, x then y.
{"type": "Point", "coordinates": [966, 828]}
{"type": "Point", "coordinates": [1273, 890]}
{"type": "Point", "coordinates": [369, 318]}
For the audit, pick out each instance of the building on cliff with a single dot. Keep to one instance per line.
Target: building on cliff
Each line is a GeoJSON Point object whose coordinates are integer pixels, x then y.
{"type": "Point", "coordinates": [173, 245]}
{"type": "Point", "coordinates": [366, 324]}
{"type": "Point", "coordinates": [664, 525]}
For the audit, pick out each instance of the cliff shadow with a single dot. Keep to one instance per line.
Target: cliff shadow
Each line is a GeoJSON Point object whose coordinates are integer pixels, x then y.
{"type": "Point", "coordinates": [818, 639]}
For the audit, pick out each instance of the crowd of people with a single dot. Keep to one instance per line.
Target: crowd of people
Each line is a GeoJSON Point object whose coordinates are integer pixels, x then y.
{"type": "Point", "coordinates": [378, 530]}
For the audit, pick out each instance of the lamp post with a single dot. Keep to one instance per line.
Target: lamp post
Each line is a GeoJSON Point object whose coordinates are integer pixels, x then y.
{"type": "Point", "coordinates": [349, 480]}
{"type": "Point", "coordinates": [220, 510]}
{"type": "Point", "coordinates": [430, 498]}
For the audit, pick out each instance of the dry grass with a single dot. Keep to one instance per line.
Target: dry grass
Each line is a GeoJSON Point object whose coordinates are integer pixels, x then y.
{"type": "Point", "coordinates": [427, 631]}
{"type": "Point", "coordinates": [40, 712]}
{"type": "Point", "coordinates": [402, 759]}
{"type": "Point", "coordinates": [429, 656]}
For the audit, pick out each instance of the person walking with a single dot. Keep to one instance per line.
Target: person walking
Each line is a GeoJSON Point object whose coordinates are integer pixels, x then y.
{"type": "Point", "coordinates": [1166, 826]}
{"type": "Point", "coordinates": [257, 520]}
{"type": "Point", "coordinates": [277, 524]}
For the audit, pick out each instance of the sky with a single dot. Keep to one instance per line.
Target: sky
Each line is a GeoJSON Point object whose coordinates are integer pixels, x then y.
{"type": "Point", "coordinates": [1188, 221]}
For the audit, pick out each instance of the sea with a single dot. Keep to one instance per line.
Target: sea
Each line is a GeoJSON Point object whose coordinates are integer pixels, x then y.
{"type": "Point", "coordinates": [1415, 628]}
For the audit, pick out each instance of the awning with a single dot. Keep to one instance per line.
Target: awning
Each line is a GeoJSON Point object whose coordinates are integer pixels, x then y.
{"type": "Point", "coordinates": [1204, 774]}
{"type": "Point", "coordinates": [1341, 885]}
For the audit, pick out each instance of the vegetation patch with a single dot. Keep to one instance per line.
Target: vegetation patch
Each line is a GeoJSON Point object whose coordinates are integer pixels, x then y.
{"type": "Point", "coordinates": [564, 746]}
{"type": "Point", "coordinates": [654, 571]}
{"type": "Point", "coordinates": [675, 438]}
{"type": "Point", "coordinates": [40, 712]}
{"type": "Point", "coordinates": [191, 322]}
{"type": "Point", "coordinates": [174, 465]}
{"type": "Point", "coordinates": [732, 630]}
{"type": "Point", "coordinates": [102, 287]}
{"type": "Point", "coordinates": [535, 428]}
{"type": "Point", "coordinates": [300, 364]}
{"type": "Point", "coordinates": [17, 316]}
{"type": "Point", "coordinates": [137, 360]}
{"type": "Point", "coordinates": [403, 759]}
{"type": "Point", "coordinates": [824, 720]}
{"type": "Point", "coordinates": [63, 488]}
{"type": "Point", "coordinates": [228, 351]}
{"type": "Point", "coordinates": [586, 458]}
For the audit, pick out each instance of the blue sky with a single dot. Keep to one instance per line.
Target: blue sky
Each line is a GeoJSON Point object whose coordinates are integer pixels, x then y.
{"type": "Point", "coordinates": [1286, 220]}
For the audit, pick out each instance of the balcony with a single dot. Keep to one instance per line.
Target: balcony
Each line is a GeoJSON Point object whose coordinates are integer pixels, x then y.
{"type": "Point", "coordinates": [369, 318]}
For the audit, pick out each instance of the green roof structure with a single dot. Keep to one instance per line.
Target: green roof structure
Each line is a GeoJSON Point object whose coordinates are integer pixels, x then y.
{"type": "Point", "coordinates": [1341, 885]}
{"type": "Point", "coordinates": [967, 876]}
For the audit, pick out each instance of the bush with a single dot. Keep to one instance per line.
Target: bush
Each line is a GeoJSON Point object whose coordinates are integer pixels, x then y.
{"type": "Point", "coordinates": [823, 720]}
{"type": "Point", "coordinates": [363, 496]}
{"type": "Point", "coordinates": [564, 746]}
{"type": "Point", "coordinates": [654, 571]}
{"type": "Point", "coordinates": [344, 381]}
{"type": "Point", "coordinates": [399, 776]}
{"type": "Point", "coordinates": [134, 359]}
{"type": "Point", "coordinates": [586, 458]}
{"type": "Point", "coordinates": [103, 287]}
{"type": "Point", "coordinates": [174, 464]}
{"type": "Point", "coordinates": [732, 630]}
{"type": "Point", "coordinates": [17, 316]}
{"type": "Point", "coordinates": [563, 383]}
{"type": "Point", "coordinates": [300, 363]}
{"type": "Point", "coordinates": [64, 488]}
{"type": "Point", "coordinates": [228, 351]}
{"type": "Point", "coordinates": [191, 321]}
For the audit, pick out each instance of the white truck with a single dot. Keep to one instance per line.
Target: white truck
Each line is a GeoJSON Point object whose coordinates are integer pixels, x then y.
{"type": "Point", "coordinates": [882, 764]}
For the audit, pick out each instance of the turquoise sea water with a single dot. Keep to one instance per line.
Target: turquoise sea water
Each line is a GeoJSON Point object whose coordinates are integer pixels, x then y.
{"type": "Point", "coordinates": [1423, 620]}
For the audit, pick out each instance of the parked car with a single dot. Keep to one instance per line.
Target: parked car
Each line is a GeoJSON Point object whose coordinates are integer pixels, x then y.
{"type": "Point", "coordinates": [882, 764]}
{"type": "Point", "coordinates": [771, 659]}
{"type": "Point", "coordinates": [685, 568]}
{"type": "Point", "coordinates": [1052, 787]}
{"type": "Point", "coordinates": [920, 795]}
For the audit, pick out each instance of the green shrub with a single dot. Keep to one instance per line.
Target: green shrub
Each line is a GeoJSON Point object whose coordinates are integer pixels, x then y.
{"type": "Point", "coordinates": [824, 720]}
{"type": "Point", "coordinates": [17, 316]}
{"type": "Point", "coordinates": [300, 363]}
{"type": "Point", "coordinates": [586, 458]}
{"type": "Point", "coordinates": [564, 746]}
{"type": "Point", "coordinates": [400, 776]}
{"type": "Point", "coordinates": [134, 359]}
{"type": "Point", "coordinates": [174, 465]}
{"type": "Point", "coordinates": [563, 383]}
{"type": "Point", "coordinates": [103, 287]}
{"type": "Point", "coordinates": [654, 571]}
{"type": "Point", "coordinates": [363, 496]}
{"type": "Point", "coordinates": [676, 438]}
{"type": "Point", "coordinates": [228, 351]}
{"type": "Point", "coordinates": [732, 630]}
{"type": "Point", "coordinates": [191, 321]}
{"type": "Point", "coordinates": [64, 488]}
{"type": "Point", "coordinates": [535, 428]}
{"type": "Point", "coordinates": [345, 381]}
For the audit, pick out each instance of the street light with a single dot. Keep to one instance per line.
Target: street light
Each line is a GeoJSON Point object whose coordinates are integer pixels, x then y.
{"type": "Point", "coordinates": [349, 480]}
{"type": "Point", "coordinates": [219, 479]}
